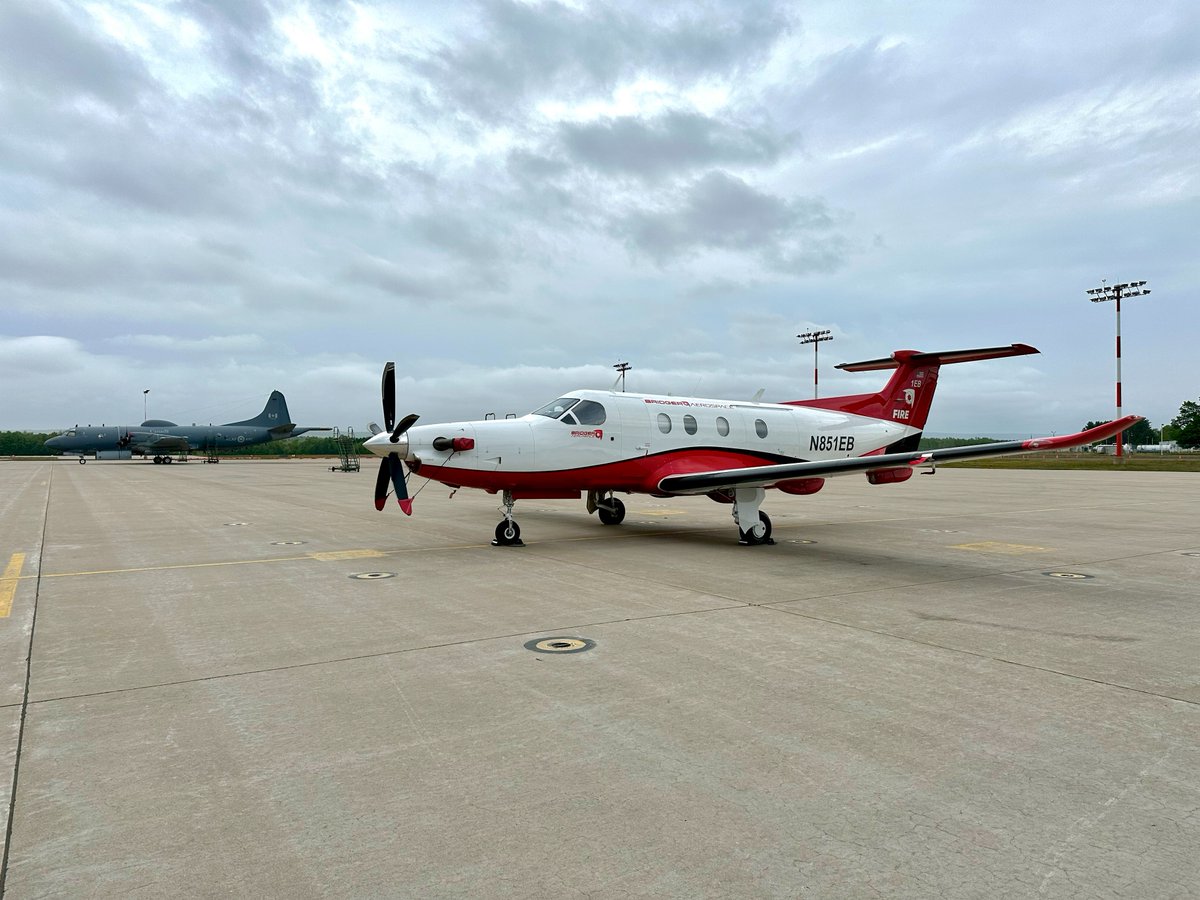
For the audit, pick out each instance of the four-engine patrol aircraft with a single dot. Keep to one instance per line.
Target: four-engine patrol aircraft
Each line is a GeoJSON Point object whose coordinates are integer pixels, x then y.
{"type": "Point", "coordinates": [603, 442]}
{"type": "Point", "coordinates": [162, 438]}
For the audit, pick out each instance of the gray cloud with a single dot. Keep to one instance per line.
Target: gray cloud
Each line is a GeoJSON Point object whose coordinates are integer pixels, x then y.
{"type": "Point", "coordinates": [670, 144]}
{"type": "Point", "coordinates": [45, 50]}
{"type": "Point", "coordinates": [722, 212]}
{"type": "Point", "coordinates": [552, 49]}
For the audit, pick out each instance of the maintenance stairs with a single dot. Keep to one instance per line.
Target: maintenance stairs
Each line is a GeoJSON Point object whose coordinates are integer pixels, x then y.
{"type": "Point", "coordinates": [347, 446]}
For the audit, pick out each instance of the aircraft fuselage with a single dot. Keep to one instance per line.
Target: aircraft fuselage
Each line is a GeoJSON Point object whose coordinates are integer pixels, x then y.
{"type": "Point", "coordinates": [610, 441]}
{"type": "Point", "coordinates": [149, 440]}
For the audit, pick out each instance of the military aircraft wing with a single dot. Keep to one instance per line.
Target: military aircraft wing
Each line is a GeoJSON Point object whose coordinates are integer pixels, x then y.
{"type": "Point", "coordinates": [767, 476]}
{"type": "Point", "coordinates": [158, 441]}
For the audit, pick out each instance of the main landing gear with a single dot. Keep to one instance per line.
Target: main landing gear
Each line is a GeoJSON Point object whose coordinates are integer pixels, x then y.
{"type": "Point", "coordinates": [610, 510]}
{"type": "Point", "coordinates": [754, 526]}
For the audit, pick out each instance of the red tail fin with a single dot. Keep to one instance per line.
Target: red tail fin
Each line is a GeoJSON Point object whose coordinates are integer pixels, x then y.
{"type": "Point", "coordinates": [907, 396]}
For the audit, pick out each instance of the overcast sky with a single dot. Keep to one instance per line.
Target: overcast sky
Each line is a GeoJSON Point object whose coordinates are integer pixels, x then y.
{"type": "Point", "coordinates": [211, 199]}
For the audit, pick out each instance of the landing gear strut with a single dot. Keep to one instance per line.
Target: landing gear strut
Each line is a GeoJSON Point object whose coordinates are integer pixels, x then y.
{"type": "Point", "coordinates": [508, 532]}
{"type": "Point", "coordinates": [754, 526]}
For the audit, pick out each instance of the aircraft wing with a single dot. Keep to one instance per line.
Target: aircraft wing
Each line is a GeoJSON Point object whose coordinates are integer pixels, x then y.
{"type": "Point", "coordinates": [291, 430]}
{"type": "Point", "coordinates": [158, 441]}
{"type": "Point", "coordinates": [768, 476]}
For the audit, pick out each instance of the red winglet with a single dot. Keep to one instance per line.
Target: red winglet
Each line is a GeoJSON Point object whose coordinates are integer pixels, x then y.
{"type": "Point", "coordinates": [406, 505]}
{"type": "Point", "coordinates": [1099, 433]}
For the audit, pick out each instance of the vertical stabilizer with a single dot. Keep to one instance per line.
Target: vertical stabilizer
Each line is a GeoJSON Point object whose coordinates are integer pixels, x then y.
{"type": "Point", "coordinates": [274, 414]}
{"type": "Point", "coordinates": [908, 395]}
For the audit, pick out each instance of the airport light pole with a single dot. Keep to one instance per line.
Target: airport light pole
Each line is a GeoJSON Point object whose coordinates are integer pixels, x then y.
{"type": "Point", "coordinates": [145, 404]}
{"type": "Point", "coordinates": [622, 367]}
{"type": "Point", "coordinates": [1116, 292]}
{"type": "Point", "coordinates": [815, 338]}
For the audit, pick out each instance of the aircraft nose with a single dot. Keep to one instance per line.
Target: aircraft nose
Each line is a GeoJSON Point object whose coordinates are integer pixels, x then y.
{"type": "Point", "coordinates": [55, 442]}
{"type": "Point", "coordinates": [381, 445]}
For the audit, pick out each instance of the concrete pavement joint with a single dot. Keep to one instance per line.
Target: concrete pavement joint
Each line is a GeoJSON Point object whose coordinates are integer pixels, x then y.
{"type": "Point", "coordinates": [365, 656]}
{"type": "Point", "coordinates": [16, 769]}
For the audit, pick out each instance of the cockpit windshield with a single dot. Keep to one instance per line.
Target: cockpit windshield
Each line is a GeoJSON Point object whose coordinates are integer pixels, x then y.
{"type": "Point", "coordinates": [557, 407]}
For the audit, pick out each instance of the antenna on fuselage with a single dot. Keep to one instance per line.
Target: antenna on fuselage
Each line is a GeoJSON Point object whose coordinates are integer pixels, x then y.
{"type": "Point", "coordinates": [622, 368]}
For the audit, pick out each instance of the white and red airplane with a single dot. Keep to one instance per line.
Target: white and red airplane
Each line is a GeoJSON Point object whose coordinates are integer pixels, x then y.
{"type": "Point", "coordinates": [601, 443]}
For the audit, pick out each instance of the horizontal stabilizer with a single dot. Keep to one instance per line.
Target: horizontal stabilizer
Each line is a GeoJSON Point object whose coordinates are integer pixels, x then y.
{"type": "Point", "coordinates": [945, 357]}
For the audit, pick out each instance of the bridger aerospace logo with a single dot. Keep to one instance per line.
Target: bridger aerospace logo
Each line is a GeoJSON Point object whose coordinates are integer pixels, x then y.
{"type": "Point", "coordinates": [597, 433]}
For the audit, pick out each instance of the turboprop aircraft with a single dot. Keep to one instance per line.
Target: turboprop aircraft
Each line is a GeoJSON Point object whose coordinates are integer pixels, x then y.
{"type": "Point", "coordinates": [601, 443]}
{"type": "Point", "coordinates": [162, 438]}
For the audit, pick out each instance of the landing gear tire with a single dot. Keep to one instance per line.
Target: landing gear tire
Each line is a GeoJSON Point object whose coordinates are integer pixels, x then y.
{"type": "Point", "coordinates": [508, 534]}
{"type": "Point", "coordinates": [614, 514]}
{"type": "Point", "coordinates": [757, 534]}
{"type": "Point", "coordinates": [158, 460]}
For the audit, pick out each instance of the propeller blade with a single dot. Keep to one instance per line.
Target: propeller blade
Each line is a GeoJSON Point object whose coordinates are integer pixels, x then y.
{"type": "Point", "coordinates": [381, 481]}
{"type": "Point", "coordinates": [400, 483]}
{"type": "Point", "coordinates": [402, 426]}
{"type": "Point", "coordinates": [389, 395]}
{"type": "Point", "coordinates": [391, 469]}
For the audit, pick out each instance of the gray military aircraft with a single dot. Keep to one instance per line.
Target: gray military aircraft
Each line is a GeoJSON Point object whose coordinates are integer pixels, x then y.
{"type": "Point", "coordinates": [164, 439]}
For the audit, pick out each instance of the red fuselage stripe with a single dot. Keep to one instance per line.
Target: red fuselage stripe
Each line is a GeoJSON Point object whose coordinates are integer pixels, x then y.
{"type": "Point", "coordinates": [641, 474]}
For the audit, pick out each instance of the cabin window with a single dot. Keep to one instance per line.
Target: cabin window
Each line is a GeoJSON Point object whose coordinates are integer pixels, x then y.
{"type": "Point", "coordinates": [664, 423]}
{"type": "Point", "coordinates": [588, 412]}
{"type": "Point", "coordinates": [760, 428]}
{"type": "Point", "coordinates": [556, 408]}
{"type": "Point", "coordinates": [722, 426]}
{"type": "Point", "coordinates": [689, 424]}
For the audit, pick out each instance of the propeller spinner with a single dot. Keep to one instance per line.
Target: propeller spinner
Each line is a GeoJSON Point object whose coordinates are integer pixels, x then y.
{"type": "Point", "coordinates": [391, 466]}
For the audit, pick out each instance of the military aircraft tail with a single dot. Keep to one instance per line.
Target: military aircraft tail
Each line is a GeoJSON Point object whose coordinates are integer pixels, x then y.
{"type": "Point", "coordinates": [274, 416]}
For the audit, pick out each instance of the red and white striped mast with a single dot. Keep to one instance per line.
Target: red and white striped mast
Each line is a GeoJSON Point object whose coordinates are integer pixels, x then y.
{"type": "Point", "coordinates": [1116, 292]}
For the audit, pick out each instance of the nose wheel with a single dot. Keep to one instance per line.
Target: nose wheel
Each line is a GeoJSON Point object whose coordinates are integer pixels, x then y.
{"type": "Point", "coordinates": [508, 532]}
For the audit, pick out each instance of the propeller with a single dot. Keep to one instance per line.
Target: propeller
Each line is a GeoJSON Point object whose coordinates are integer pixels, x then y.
{"type": "Point", "coordinates": [391, 466]}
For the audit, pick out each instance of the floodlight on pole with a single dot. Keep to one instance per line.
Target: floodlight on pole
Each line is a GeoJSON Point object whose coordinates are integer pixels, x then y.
{"type": "Point", "coordinates": [1117, 292]}
{"type": "Point", "coordinates": [815, 338]}
{"type": "Point", "coordinates": [622, 367]}
{"type": "Point", "coordinates": [145, 404]}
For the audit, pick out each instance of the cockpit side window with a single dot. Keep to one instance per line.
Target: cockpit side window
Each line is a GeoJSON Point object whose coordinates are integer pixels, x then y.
{"type": "Point", "coordinates": [589, 412]}
{"type": "Point", "coordinates": [556, 408]}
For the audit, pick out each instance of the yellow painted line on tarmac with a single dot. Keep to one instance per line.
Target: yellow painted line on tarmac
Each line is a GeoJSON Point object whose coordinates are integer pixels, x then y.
{"type": "Point", "coordinates": [1000, 547]}
{"type": "Point", "coordinates": [8, 583]}
{"type": "Point", "coordinates": [346, 554]}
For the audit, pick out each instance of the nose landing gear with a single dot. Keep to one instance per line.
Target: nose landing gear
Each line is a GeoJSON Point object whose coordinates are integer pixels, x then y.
{"type": "Point", "coordinates": [508, 532]}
